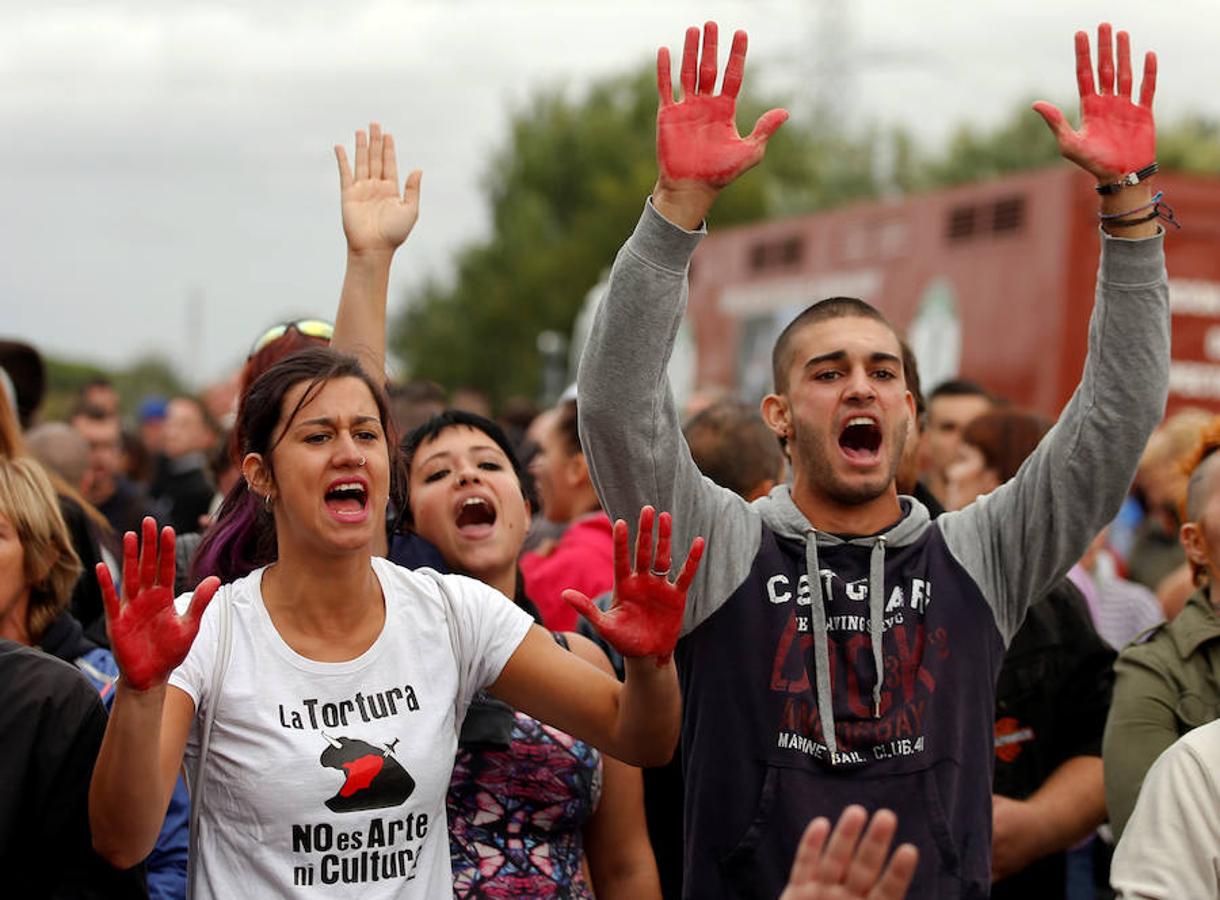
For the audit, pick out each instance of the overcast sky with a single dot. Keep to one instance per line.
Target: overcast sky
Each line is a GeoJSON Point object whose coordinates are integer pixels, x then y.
{"type": "Point", "coordinates": [167, 171]}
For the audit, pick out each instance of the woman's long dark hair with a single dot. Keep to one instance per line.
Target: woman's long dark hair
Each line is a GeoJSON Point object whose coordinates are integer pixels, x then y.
{"type": "Point", "coordinates": [243, 536]}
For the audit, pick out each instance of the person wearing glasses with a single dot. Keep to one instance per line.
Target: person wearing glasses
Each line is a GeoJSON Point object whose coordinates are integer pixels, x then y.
{"type": "Point", "coordinates": [283, 340]}
{"type": "Point", "coordinates": [376, 218]}
{"type": "Point", "coordinates": [274, 344]}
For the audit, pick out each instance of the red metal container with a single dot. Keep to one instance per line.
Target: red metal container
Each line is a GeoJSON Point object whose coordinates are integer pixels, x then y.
{"type": "Point", "coordinates": [990, 281]}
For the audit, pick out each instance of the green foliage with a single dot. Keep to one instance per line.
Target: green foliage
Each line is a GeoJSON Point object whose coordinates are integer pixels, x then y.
{"type": "Point", "coordinates": [1020, 142]}
{"type": "Point", "coordinates": [65, 378]}
{"type": "Point", "coordinates": [1191, 145]}
{"type": "Point", "coordinates": [568, 187]}
{"type": "Point", "coordinates": [563, 193]}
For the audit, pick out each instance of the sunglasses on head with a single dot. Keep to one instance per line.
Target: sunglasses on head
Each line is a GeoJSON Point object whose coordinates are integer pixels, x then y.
{"type": "Point", "coordinates": [316, 328]}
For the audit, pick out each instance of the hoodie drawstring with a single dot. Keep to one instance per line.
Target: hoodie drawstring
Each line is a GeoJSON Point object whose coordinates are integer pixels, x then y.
{"type": "Point", "coordinates": [876, 612]}
{"type": "Point", "coordinates": [821, 658]}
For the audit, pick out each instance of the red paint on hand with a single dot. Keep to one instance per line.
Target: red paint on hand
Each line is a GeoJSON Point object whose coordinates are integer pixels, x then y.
{"type": "Point", "coordinates": [697, 139]}
{"type": "Point", "coordinates": [360, 773]}
{"type": "Point", "coordinates": [1116, 136]}
{"type": "Point", "coordinates": [148, 637]}
{"type": "Point", "coordinates": [646, 616]}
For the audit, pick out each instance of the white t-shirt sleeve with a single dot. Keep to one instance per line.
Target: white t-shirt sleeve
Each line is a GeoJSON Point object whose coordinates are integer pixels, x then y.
{"type": "Point", "coordinates": [487, 628]}
{"type": "Point", "coordinates": [1171, 845]}
{"type": "Point", "coordinates": [194, 674]}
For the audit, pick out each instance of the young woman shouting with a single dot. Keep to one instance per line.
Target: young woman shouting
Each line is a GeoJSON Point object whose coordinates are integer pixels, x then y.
{"type": "Point", "coordinates": [331, 736]}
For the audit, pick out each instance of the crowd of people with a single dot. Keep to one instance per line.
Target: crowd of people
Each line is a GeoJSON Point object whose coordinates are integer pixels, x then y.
{"type": "Point", "coordinates": [354, 638]}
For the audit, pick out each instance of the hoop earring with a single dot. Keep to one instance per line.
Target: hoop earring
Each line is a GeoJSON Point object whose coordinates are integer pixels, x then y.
{"type": "Point", "coordinates": [267, 502]}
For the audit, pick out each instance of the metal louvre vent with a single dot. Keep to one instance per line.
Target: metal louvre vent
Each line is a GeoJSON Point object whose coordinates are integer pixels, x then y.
{"type": "Point", "coordinates": [961, 223]}
{"type": "Point", "coordinates": [1008, 214]}
{"type": "Point", "coordinates": [779, 254]}
{"type": "Point", "coordinates": [1003, 216]}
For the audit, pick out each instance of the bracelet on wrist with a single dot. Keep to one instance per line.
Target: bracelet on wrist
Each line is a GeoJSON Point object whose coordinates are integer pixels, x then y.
{"type": "Point", "coordinates": [1159, 210]}
{"type": "Point", "coordinates": [1151, 204]}
{"type": "Point", "coordinates": [1128, 180]}
{"type": "Point", "coordinates": [1128, 223]}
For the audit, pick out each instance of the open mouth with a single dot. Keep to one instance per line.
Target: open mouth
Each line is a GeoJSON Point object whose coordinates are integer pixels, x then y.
{"type": "Point", "coordinates": [347, 498]}
{"type": "Point", "coordinates": [475, 516]}
{"type": "Point", "coordinates": [860, 439]}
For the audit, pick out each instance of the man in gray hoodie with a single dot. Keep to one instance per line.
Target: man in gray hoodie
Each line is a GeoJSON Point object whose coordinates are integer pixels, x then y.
{"type": "Point", "coordinates": [839, 646]}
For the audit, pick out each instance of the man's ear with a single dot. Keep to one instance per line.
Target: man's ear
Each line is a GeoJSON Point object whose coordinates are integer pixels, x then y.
{"type": "Point", "coordinates": [1195, 544]}
{"type": "Point", "coordinates": [777, 414]}
{"type": "Point", "coordinates": [258, 475]}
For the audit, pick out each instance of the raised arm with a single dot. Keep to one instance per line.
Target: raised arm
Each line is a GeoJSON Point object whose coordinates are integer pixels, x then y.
{"type": "Point", "coordinates": [376, 220]}
{"type": "Point", "coordinates": [148, 724]}
{"type": "Point", "coordinates": [699, 152]}
{"type": "Point", "coordinates": [636, 721]}
{"type": "Point", "coordinates": [1117, 138]}
{"type": "Point", "coordinates": [630, 428]}
{"type": "Point", "coordinates": [1022, 537]}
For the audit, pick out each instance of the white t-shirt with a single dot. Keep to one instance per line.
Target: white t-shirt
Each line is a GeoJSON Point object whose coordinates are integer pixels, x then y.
{"type": "Point", "coordinates": [329, 779]}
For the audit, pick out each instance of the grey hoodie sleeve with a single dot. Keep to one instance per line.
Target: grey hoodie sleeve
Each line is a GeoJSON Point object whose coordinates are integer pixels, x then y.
{"type": "Point", "coordinates": [1020, 539]}
{"type": "Point", "coordinates": [629, 425]}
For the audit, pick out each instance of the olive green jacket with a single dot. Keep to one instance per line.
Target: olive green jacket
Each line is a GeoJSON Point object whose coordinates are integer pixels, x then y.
{"type": "Point", "coordinates": [1167, 682]}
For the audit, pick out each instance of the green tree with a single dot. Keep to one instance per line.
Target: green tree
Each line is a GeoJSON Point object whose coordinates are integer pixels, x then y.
{"type": "Point", "coordinates": [1190, 145]}
{"type": "Point", "coordinates": [568, 185]}
{"type": "Point", "coordinates": [1021, 142]}
{"type": "Point", "coordinates": [563, 192]}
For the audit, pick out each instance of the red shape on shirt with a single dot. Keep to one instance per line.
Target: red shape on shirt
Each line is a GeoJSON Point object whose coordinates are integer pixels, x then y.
{"type": "Point", "coordinates": [360, 773]}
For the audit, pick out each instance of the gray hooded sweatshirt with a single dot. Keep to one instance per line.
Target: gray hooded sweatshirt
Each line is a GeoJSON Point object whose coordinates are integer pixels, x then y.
{"type": "Point", "coordinates": [873, 681]}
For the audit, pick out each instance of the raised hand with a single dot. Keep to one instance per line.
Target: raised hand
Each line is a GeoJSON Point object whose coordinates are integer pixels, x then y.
{"type": "Point", "coordinates": [647, 612]}
{"type": "Point", "coordinates": [376, 218]}
{"type": "Point", "coordinates": [1116, 136]}
{"type": "Point", "coordinates": [698, 148]}
{"type": "Point", "coordinates": [147, 635]}
{"type": "Point", "coordinates": [848, 868]}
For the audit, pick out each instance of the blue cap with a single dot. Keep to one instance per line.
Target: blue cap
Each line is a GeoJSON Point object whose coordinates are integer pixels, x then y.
{"type": "Point", "coordinates": [153, 407]}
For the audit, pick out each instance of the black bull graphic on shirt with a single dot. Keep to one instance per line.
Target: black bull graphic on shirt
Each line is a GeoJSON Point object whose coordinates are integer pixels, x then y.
{"type": "Point", "coordinates": [374, 779]}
